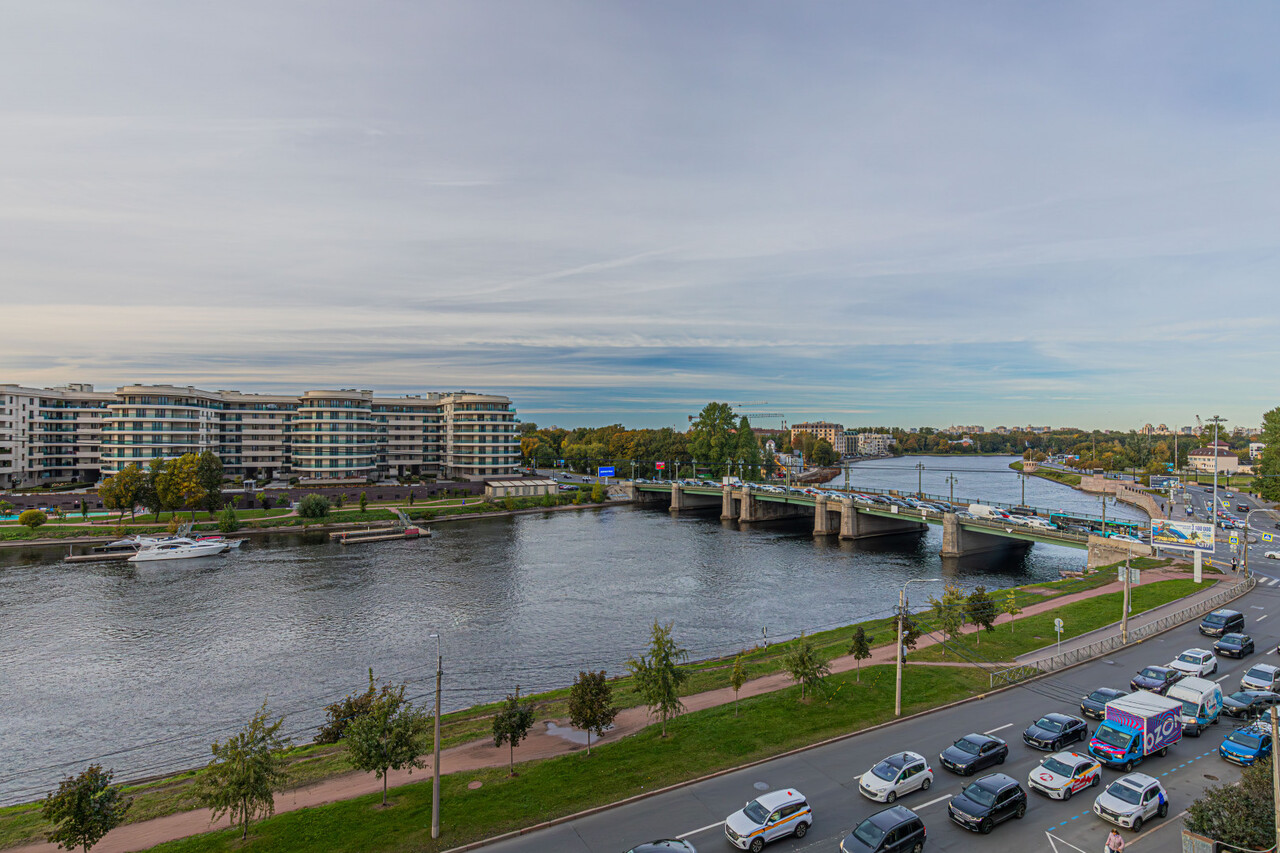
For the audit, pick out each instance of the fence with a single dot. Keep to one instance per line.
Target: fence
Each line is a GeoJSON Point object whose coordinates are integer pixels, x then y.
{"type": "Point", "coordinates": [1014, 674]}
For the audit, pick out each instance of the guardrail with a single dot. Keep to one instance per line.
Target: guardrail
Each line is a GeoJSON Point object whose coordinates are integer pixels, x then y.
{"type": "Point", "coordinates": [1021, 672]}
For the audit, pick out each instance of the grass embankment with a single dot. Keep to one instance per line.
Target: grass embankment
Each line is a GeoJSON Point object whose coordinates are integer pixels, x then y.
{"type": "Point", "coordinates": [1064, 477]}
{"type": "Point", "coordinates": [699, 743]}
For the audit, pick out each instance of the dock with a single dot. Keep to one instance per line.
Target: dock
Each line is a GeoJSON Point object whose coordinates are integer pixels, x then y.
{"type": "Point", "coordinates": [356, 537]}
{"type": "Point", "coordinates": [99, 557]}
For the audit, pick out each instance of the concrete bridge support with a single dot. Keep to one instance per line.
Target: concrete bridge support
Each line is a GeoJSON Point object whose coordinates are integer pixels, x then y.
{"type": "Point", "coordinates": [1105, 552]}
{"type": "Point", "coordinates": [827, 516]}
{"type": "Point", "coordinates": [861, 525]}
{"type": "Point", "coordinates": [960, 542]}
{"type": "Point", "coordinates": [682, 500]}
{"type": "Point", "coordinates": [752, 509]}
{"type": "Point", "coordinates": [730, 503]}
{"type": "Point", "coordinates": [642, 497]}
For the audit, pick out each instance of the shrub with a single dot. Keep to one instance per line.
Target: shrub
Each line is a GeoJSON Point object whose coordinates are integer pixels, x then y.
{"type": "Point", "coordinates": [227, 520]}
{"type": "Point", "coordinates": [173, 525]}
{"type": "Point", "coordinates": [364, 503]}
{"type": "Point", "coordinates": [313, 506]}
{"type": "Point", "coordinates": [32, 518]}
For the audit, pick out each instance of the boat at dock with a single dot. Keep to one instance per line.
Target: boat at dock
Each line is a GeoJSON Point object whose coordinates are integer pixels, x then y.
{"type": "Point", "coordinates": [178, 548]}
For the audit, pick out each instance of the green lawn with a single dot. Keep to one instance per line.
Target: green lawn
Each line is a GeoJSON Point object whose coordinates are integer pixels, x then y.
{"type": "Point", "coordinates": [1054, 474]}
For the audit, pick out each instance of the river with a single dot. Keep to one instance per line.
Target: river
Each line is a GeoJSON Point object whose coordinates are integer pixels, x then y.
{"type": "Point", "coordinates": [141, 667]}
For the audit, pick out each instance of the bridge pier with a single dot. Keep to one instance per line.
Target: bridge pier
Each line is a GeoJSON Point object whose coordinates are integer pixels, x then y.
{"type": "Point", "coordinates": [1105, 552]}
{"type": "Point", "coordinates": [752, 510]}
{"type": "Point", "coordinates": [862, 525]}
{"type": "Point", "coordinates": [682, 500]}
{"type": "Point", "coordinates": [959, 542]}
{"type": "Point", "coordinates": [823, 523]}
{"type": "Point", "coordinates": [730, 504]}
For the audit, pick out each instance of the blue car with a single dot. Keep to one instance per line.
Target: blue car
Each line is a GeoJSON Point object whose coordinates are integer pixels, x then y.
{"type": "Point", "coordinates": [1246, 745]}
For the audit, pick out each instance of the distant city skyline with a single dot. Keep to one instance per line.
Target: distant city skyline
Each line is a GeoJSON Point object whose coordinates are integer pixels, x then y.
{"type": "Point", "coordinates": [876, 214]}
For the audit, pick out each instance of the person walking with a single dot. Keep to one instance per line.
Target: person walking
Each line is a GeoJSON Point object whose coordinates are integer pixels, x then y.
{"type": "Point", "coordinates": [1115, 842]}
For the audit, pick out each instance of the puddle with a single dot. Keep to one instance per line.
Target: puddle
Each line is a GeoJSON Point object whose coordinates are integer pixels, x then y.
{"type": "Point", "coordinates": [568, 733]}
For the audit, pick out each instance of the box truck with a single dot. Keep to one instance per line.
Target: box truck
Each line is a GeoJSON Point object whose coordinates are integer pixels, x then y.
{"type": "Point", "coordinates": [1135, 727]}
{"type": "Point", "coordinates": [1201, 703]}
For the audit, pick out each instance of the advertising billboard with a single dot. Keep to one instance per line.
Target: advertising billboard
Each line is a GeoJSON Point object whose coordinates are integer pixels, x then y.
{"type": "Point", "coordinates": [1159, 482]}
{"type": "Point", "coordinates": [1189, 535]}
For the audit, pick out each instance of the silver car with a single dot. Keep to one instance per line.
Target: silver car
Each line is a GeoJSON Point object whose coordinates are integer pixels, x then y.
{"type": "Point", "coordinates": [1131, 800]}
{"type": "Point", "coordinates": [900, 773]}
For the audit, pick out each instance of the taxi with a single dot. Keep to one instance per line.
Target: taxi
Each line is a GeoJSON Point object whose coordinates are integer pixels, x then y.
{"type": "Point", "coordinates": [1062, 774]}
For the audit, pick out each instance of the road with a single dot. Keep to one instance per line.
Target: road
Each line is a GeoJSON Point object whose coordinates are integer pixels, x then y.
{"type": "Point", "coordinates": [1260, 525]}
{"type": "Point", "coordinates": [828, 775]}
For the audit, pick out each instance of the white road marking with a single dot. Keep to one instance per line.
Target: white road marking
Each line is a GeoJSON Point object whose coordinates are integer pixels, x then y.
{"type": "Point", "coordinates": [993, 731]}
{"type": "Point", "coordinates": [1263, 616]}
{"type": "Point", "coordinates": [703, 829]}
{"type": "Point", "coordinates": [1223, 678]}
{"type": "Point", "coordinates": [934, 802]}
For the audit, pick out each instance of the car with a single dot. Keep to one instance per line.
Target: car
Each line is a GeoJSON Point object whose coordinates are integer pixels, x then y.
{"type": "Point", "coordinates": [900, 773]}
{"type": "Point", "coordinates": [972, 753]}
{"type": "Point", "coordinates": [1242, 507]}
{"type": "Point", "coordinates": [890, 830]}
{"type": "Point", "coordinates": [1261, 676]}
{"type": "Point", "coordinates": [1124, 537]}
{"type": "Point", "coordinates": [665, 845]}
{"type": "Point", "coordinates": [1221, 622]}
{"type": "Point", "coordinates": [1131, 800]}
{"type": "Point", "coordinates": [1062, 774]}
{"type": "Point", "coordinates": [987, 801]}
{"type": "Point", "coordinates": [1246, 745]}
{"type": "Point", "coordinates": [1272, 555]}
{"type": "Point", "coordinates": [769, 817]}
{"type": "Point", "coordinates": [1195, 662]}
{"type": "Point", "coordinates": [1249, 703]}
{"type": "Point", "coordinates": [1157, 679]}
{"type": "Point", "coordinates": [1095, 704]}
{"type": "Point", "coordinates": [1054, 732]}
{"type": "Point", "coordinates": [1234, 645]}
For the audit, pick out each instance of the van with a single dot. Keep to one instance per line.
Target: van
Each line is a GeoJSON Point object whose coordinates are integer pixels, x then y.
{"type": "Point", "coordinates": [1201, 703]}
{"type": "Point", "coordinates": [1221, 622]}
{"type": "Point", "coordinates": [982, 511]}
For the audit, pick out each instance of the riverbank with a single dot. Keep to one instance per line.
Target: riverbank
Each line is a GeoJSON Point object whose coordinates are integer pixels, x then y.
{"type": "Point", "coordinates": [473, 758]}
{"type": "Point", "coordinates": [1064, 477]}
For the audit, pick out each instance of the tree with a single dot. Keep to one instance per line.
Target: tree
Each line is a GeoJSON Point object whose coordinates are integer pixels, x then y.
{"type": "Point", "coordinates": [245, 772]}
{"type": "Point", "coordinates": [712, 437]}
{"type": "Point", "coordinates": [910, 632]}
{"type": "Point", "coordinates": [5, 507]}
{"type": "Point", "coordinates": [737, 678]}
{"type": "Point", "coordinates": [84, 509]}
{"type": "Point", "coordinates": [391, 735]}
{"type": "Point", "coordinates": [1011, 606]}
{"type": "Point", "coordinates": [313, 506]}
{"type": "Point", "coordinates": [949, 610]}
{"type": "Point", "coordinates": [658, 675]}
{"type": "Point", "coordinates": [805, 666]}
{"type": "Point", "coordinates": [123, 491]}
{"type": "Point", "coordinates": [981, 611]}
{"type": "Point", "coordinates": [1241, 816]}
{"type": "Point", "coordinates": [1267, 470]}
{"type": "Point", "coordinates": [590, 704]}
{"type": "Point", "coordinates": [85, 808]}
{"type": "Point", "coordinates": [339, 499]}
{"type": "Point", "coordinates": [228, 522]}
{"type": "Point", "coordinates": [364, 503]}
{"type": "Point", "coordinates": [32, 518]}
{"type": "Point", "coordinates": [860, 648]}
{"type": "Point", "coordinates": [209, 475]}
{"type": "Point", "coordinates": [411, 497]}
{"type": "Point", "coordinates": [159, 492]}
{"type": "Point", "coordinates": [748, 451]}
{"type": "Point", "coordinates": [597, 493]}
{"type": "Point", "coordinates": [511, 724]}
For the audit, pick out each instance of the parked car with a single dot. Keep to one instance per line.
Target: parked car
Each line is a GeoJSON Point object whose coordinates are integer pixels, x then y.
{"type": "Point", "coordinates": [1131, 800]}
{"type": "Point", "coordinates": [1095, 704]}
{"type": "Point", "coordinates": [1234, 645]}
{"type": "Point", "coordinates": [1221, 622]}
{"type": "Point", "coordinates": [890, 830]}
{"type": "Point", "coordinates": [987, 801]}
{"type": "Point", "coordinates": [1197, 662]}
{"type": "Point", "coordinates": [972, 753]}
{"type": "Point", "coordinates": [1246, 745]}
{"type": "Point", "coordinates": [900, 773]}
{"type": "Point", "coordinates": [1249, 703]}
{"type": "Point", "coordinates": [1065, 773]}
{"type": "Point", "coordinates": [1157, 679]}
{"type": "Point", "coordinates": [1054, 732]}
{"type": "Point", "coordinates": [767, 818]}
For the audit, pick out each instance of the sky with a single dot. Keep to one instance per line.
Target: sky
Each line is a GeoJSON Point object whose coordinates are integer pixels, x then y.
{"type": "Point", "coordinates": [917, 213]}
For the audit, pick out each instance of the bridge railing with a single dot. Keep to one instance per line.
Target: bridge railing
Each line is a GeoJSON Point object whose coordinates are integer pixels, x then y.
{"type": "Point", "coordinates": [1052, 663]}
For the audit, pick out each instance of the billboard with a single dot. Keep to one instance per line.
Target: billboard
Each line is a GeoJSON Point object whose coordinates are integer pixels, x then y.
{"type": "Point", "coordinates": [1159, 482]}
{"type": "Point", "coordinates": [1189, 535]}
{"type": "Point", "coordinates": [607, 472]}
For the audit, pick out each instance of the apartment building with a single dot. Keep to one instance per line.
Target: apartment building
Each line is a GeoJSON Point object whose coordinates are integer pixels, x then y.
{"type": "Point", "coordinates": [73, 433]}
{"type": "Point", "coordinates": [875, 444]}
{"type": "Point", "coordinates": [833, 433]}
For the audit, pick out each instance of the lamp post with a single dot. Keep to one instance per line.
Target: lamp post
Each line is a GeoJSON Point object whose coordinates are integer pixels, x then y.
{"type": "Point", "coordinates": [919, 479]}
{"type": "Point", "coordinates": [1213, 514]}
{"type": "Point", "coordinates": [902, 612]}
{"type": "Point", "coordinates": [435, 782]}
{"type": "Point", "coordinates": [951, 479]}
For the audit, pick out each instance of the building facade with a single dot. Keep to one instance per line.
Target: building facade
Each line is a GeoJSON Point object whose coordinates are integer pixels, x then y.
{"type": "Point", "coordinates": [875, 444]}
{"type": "Point", "coordinates": [75, 434]}
{"type": "Point", "coordinates": [1202, 459]}
{"type": "Point", "coordinates": [833, 433]}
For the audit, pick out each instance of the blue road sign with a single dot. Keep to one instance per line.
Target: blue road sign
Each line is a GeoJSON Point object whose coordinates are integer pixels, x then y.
{"type": "Point", "coordinates": [607, 472]}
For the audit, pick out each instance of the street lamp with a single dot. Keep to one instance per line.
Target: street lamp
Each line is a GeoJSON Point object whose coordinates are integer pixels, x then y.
{"type": "Point", "coordinates": [902, 612]}
{"type": "Point", "coordinates": [435, 784]}
{"type": "Point", "coordinates": [919, 479]}
{"type": "Point", "coordinates": [951, 479]}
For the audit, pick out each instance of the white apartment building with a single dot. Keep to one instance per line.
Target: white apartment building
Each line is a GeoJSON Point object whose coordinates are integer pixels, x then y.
{"type": "Point", "coordinates": [874, 443]}
{"type": "Point", "coordinates": [73, 433]}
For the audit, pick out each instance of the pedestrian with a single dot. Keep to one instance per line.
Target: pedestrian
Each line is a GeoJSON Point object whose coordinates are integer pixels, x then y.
{"type": "Point", "coordinates": [1115, 842]}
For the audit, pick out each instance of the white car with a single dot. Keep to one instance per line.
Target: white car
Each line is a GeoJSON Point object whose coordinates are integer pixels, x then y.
{"type": "Point", "coordinates": [769, 817]}
{"type": "Point", "coordinates": [1261, 676]}
{"type": "Point", "coordinates": [900, 773]}
{"type": "Point", "coordinates": [1132, 799]}
{"type": "Point", "coordinates": [1272, 555]}
{"type": "Point", "coordinates": [1196, 662]}
{"type": "Point", "coordinates": [1064, 773]}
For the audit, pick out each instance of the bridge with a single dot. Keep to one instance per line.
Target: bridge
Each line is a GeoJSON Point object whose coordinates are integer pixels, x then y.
{"type": "Point", "coordinates": [853, 517]}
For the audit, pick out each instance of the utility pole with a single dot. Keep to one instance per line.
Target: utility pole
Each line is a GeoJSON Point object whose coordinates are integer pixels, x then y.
{"type": "Point", "coordinates": [1124, 614]}
{"type": "Point", "coordinates": [1023, 478]}
{"type": "Point", "coordinates": [902, 613]}
{"type": "Point", "coordinates": [1275, 768]}
{"type": "Point", "coordinates": [951, 480]}
{"type": "Point", "coordinates": [920, 479]}
{"type": "Point", "coordinates": [1213, 513]}
{"type": "Point", "coordinates": [435, 782]}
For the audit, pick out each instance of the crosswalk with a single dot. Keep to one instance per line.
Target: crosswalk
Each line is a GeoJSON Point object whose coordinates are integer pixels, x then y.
{"type": "Point", "coordinates": [1265, 581]}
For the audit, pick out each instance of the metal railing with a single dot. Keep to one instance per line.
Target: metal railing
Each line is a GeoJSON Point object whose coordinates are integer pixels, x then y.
{"type": "Point", "coordinates": [1052, 663]}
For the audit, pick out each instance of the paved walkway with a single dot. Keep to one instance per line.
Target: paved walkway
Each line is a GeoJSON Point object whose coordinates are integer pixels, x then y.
{"type": "Point", "coordinates": [541, 743]}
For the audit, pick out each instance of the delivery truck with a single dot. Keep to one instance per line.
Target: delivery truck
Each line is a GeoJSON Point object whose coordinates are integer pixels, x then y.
{"type": "Point", "coordinates": [1134, 727]}
{"type": "Point", "coordinates": [1201, 703]}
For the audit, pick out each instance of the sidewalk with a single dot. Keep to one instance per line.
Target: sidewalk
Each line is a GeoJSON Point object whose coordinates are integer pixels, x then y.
{"type": "Point", "coordinates": [542, 744]}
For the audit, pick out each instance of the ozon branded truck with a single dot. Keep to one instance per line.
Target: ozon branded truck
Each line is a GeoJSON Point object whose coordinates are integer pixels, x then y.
{"type": "Point", "coordinates": [1135, 727]}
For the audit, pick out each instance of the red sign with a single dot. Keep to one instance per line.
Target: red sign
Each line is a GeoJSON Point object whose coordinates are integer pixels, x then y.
{"type": "Point", "coordinates": [660, 465]}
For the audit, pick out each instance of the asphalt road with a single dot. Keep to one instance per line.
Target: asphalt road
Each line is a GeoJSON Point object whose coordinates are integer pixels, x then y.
{"type": "Point", "coordinates": [1260, 525]}
{"type": "Point", "coordinates": [828, 775]}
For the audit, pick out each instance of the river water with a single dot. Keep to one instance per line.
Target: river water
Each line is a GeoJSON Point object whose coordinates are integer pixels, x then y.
{"type": "Point", "coordinates": [141, 667]}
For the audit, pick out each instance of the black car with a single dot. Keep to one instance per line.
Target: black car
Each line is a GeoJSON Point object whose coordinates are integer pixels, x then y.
{"type": "Point", "coordinates": [1157, 679]}
{"type": "Point", "coordinates": [972, 753]}
{"type": "Point", "coordinates": [896, 829]}
{"type": "Point", "coordinates": [1249, 703]}
{"type": "Point", "coordinates": [1095, 704]}
{"type": "Point", "coordinates": [987, 801]}
{"type": "Point", "coordinates": [1221, 622]}
{"type": "Point", "coordinates": [665, 845]}
{"type": "Point", "coordinates": [1234, 645]}
{"type": "Point", "coordinates": [1055, 732]}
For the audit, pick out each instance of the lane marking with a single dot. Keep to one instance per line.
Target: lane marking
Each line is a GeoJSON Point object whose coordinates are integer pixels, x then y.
{"type": "Point", "coordinates": [1263, 616]}
{"type": "Point", "coordinates": [1223, 678]}
{"type": "Point", "coordinates": [934, 802]}
{"type": "Point", "coordinates": [703, 829]}
{"type": "Point", "coordinates": [1005, 726]}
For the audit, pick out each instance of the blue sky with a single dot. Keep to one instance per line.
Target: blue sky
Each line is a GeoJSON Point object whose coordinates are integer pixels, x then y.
{"type": "Point", "coordinates": [910, 213]}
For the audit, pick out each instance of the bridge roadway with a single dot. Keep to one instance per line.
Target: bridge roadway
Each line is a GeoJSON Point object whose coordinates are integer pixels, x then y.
{"type": "Point", "coordinates": [855, 518]}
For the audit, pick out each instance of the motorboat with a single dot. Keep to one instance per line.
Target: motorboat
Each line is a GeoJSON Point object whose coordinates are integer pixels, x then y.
{"type": "Point", "coordinates": [230, 543]}
{"type": "Point", "coordinates": [178, 549]}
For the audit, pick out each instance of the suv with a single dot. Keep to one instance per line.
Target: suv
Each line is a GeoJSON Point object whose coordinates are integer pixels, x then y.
{"type": "Point", "coordinates": [1130, 800]}
{"type": "Point", "coordinates": [896, 829]}
{"type": "Point", "coordinates": [1221, 622]}
{"type": "Point", "coordinates": [767, 818]}
{"type": "Point", "coordinates": [898, 774]}
{"type": "Point", "coordinates": [1262, 676]}
{"type": "Point", "coordinates": [987, 801]}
